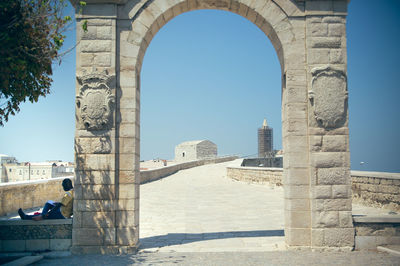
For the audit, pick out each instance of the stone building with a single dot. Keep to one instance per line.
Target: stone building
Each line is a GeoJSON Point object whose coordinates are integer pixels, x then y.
{"type": "Point", "coordinates": [265, 140]}
{"type": "Point", "coordinates": [13, 172]}
{"type": "Point", "coordinates": [4, 159]}
{"type": "Point", "coordinates": [195, 150]}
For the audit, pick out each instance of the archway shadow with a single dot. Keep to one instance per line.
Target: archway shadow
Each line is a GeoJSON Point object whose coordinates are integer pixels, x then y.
{"type": "Point", "coordinates": [184, 238]}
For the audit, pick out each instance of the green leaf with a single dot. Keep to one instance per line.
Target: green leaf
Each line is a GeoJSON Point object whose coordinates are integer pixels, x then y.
{"type": "Point", "coordinates": [84, 26]}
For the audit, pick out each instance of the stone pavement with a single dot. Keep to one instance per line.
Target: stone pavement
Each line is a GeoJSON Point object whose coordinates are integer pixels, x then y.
{"type": "Point", "coordinates": [200, 217]}
{"type": "Point", "coordinates": [297, 258]}
{"type": "Point", "coordinates": [201, 210]}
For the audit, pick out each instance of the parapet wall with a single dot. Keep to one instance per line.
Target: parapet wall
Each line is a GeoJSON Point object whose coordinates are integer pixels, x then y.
{"type": "Point", "coordinates": [377, 189]}
{"type": "Point", "coordinates": [369, 188]}
{"type": "Point", "coordinates": [152, 175]}
{"type": "Point", "coordinates": [267, 175]}
{"type": "Point", "coordinates": [29, 194]}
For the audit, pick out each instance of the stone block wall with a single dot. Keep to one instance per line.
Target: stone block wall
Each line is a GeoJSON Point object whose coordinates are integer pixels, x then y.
{"type": "Point", "coordinates": [23, 235]}
{"type": "Point", "coordinates": [377, 189]}
{"type": "Point", "coordinates": [376, 231]}
{"type": "Point", "coordinates": [256, 175]}
{"type": "Point", "coordinates": [155, 174]}
{"type": "Point", "coordinates": [30, 194]}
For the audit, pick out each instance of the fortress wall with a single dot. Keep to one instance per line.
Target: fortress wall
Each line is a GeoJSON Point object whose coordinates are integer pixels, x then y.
{"type": "Point", "coordinates": [377, 189]}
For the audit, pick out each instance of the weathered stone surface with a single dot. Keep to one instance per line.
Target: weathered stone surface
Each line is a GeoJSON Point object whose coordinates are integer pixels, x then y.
{"type": "Point", "coordinates": [341, 191]}
{"type": "Point", "coordinates": [101, 145]}
{"type": "Point", "coordinates": [298, 219]}
{"type": "Point", "coordinates": [377, 229]}
{"type": "Point", "coordinates": [60, 244]}
{"type": "Point", "coordinates": [339, 237]}
{"type": "Point", "coordinates": [325, 219]}
{"type": "Point", "coordinates": [333, 176]}
{"type": "Point", "coordinates": [377, 189]}
{"type": "Point", "coordinates": [95, 177]}
{"type": "Point", "coordinates": [305, 35]}
{"type": "Point", "coordinates": [40, 231]}
{"type": "Point", "coordinates": [37, 244]}
{"type": "Point", "coordinates": [98, 219]}
{"type": "Point", "coordinates": [329, 159]}
{"type": "Point", "coordinates": [331, 204]}
{"type": "Point", "coordinates": [298, 237]}
{"type": "Point", "coordinates": [127, 236]}
{"type": "Point", "coordinates": [95, 102]}
{"type": "Point", "coordinates": [13, 245]}
{"type": "Point", "coordinates": [297, 192]}
{"type": "Point", "coordinates": [332, 143]}
{"type": "Point", "coordinates": [91, 46]}
{"type": "Point", "coordinates": [345, 219]}
{"type": "Point", "coordinates": [329, 96]}
{"type": "Point", "coordinates": [95, 192]}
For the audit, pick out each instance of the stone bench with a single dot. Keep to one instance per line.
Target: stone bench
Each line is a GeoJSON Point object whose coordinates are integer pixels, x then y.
{"type": "Point", "coordinates": [35, 236]}
{"type": "Point", "coordinates": [374, 231]}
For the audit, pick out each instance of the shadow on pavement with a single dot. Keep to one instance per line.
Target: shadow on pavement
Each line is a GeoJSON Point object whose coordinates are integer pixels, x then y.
{"type": "Point", "coordinates": [183, 238]}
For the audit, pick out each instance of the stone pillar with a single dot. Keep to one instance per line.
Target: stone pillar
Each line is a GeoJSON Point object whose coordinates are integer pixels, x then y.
{"type": "Point", "coordinates": [330, 181]}
{"type": "Point", "coordinates": [103, 198]}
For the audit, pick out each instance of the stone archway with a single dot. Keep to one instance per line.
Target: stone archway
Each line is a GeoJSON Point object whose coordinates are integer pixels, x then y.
{"type": "Point", "coordinates": [310, 40]}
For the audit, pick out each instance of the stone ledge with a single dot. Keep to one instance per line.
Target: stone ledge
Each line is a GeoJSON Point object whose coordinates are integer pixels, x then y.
{"type": "Point", "coordinates": [275, 169]}
{"type": "Point", "coordinates": [30, 222]}
{"type": "Point", "coordinates": [33, 182]}
{"type": "Point", "coordinates": [32, 230]}
{"type": "Point", "coordinates": [384, 175]}
{"type": "Point", "coordinates": [377, 219]}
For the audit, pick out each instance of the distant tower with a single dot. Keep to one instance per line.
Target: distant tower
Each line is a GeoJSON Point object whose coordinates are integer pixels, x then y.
{"type": "Point", "coordinates": [265, 140]}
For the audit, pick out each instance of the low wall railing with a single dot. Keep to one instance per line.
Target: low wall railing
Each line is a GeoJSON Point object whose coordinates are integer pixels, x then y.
{"type": "Point", "coordinates": [29, 194]}
{"type": "Point", "coordinates": [377, 189]}
{"type": "Point", "coordinates": [155, 174]}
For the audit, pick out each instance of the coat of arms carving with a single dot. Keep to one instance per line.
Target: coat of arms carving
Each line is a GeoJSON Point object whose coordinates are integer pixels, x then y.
{"type": "Point", "coordinates": [329, 97]}
{"type": "Point", "coordinates": [95, 102]}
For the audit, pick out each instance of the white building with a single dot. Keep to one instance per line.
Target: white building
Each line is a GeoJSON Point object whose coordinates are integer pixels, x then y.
{"type": "Point", "coordinates": [4, 159]}
{"type": "Point", "coordinates": [13, 172]}
{"type": "Point", "coordinates": [195, 150]}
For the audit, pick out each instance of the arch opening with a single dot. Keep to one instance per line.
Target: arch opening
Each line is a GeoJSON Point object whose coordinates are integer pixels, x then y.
{"type": "Point", "coordinates": [263, 88]}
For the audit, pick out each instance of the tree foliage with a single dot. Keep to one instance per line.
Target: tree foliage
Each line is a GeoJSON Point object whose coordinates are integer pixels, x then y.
{"type": "Point", "coordinates": [31, 35]}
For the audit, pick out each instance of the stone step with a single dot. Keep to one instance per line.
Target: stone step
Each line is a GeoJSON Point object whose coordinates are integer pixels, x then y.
{"type": "Point", "coordinates": [391, 249]}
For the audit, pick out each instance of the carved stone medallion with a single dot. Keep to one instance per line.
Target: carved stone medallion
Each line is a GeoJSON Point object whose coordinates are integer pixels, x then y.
{"type": "Point", "coordinates": [329, 97]}
{"type": "Point", "coordinates": [95, 101]}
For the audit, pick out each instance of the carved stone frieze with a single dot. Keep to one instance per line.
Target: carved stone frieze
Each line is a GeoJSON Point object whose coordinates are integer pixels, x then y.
{"type": "Point", "coordinates": [95, 102]}
{"type": "Point", "coordinates": [328, 96]}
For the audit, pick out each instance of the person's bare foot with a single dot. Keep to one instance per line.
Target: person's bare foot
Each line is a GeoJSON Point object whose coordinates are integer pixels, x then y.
{"type": "Point", "coordinates": [37, 218]}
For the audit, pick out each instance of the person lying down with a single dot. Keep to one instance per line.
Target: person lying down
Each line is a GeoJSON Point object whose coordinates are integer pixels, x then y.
{"type": "Point", "coordinates": [55, 210]}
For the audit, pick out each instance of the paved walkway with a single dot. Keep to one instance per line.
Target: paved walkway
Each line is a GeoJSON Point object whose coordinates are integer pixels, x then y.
{"type": "Point", "coordinates": [200, 217]}
{"type": "Point", "coordinates": [201, 210]}
{"type": "Point", "coordinates": [297, 258]}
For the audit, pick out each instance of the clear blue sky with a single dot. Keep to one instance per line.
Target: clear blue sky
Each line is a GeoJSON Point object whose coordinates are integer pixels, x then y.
{"type": "Point", "coordinates": [214, 75]}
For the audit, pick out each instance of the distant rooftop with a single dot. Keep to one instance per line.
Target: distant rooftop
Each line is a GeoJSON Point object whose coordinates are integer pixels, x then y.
{"type": "Point", "coordinates": [192, 142]}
